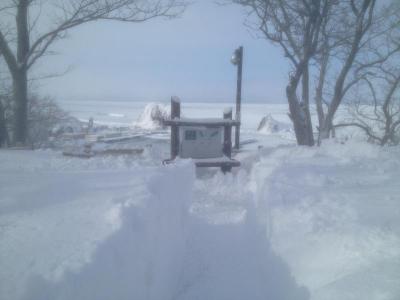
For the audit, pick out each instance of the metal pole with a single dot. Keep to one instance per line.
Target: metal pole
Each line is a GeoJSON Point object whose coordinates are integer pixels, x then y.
{"type": "Point", "coordinates": [175, 114]}
{"type": "Point", "coordinates": [239, 53]}
{"type": "Point", "coordinates": [227, 147]}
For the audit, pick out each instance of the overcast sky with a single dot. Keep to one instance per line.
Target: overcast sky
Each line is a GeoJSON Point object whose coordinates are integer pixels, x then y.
{"type": "Point", "coordinates": [188, 57]}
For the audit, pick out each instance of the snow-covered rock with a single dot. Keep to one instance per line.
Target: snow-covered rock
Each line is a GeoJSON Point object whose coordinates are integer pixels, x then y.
{"type": "Point", "coordinates": [153, 116]}
{"type": "Point", "coordinates": [269, 125]}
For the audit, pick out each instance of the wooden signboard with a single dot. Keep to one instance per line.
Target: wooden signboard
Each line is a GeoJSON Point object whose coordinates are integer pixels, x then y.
{"type": "Point", "coordinates": [207, 141]}
{"type": "Point", "coordinates": [200, 142]}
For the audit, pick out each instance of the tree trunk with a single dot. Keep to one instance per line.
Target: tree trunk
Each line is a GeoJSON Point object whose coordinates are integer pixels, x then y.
{"type": "Point", "coordinates": [298, 111]}
{"type": "Point", "coordinates": [325, 130]}
{"type": "Point", "coordinates": [304, 135]}
{"type": "Point", "coordinates": [3, 127]}
{"type": "Point", "coordinates": [319, 92]}
{"type": "Point", "coordinates": [20, 93]}
{"type": "Point", "coordinates": [20, 77]}
{"type": "Point", "coordinates": [306, 106]}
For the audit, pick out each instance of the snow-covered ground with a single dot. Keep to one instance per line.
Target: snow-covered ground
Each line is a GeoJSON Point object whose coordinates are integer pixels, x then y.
{"type": "Point", "coordinates": [290, 223]}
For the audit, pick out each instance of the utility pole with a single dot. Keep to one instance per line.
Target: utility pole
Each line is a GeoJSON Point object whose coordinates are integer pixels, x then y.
{"type": "Point", "coordinates": [237, 60]}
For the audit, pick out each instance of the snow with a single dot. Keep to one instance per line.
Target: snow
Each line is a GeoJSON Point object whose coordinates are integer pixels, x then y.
{"type": "Point", "coordinates": [53, 218]}
{"type": "Point", "coordinates": [269, 125]}
{"type": "Point", "coordinates": [290, 223]}
{"type": "Point", "coordinates": [136, 262]}
{"type": "Point", "coordinates": [333, 216]}
{"type": "Point", "coordinates": [153, 116]}
{"type": "Point", "coordinates": [201, 122]}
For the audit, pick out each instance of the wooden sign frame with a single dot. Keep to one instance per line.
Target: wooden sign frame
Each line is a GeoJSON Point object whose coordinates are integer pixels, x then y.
{"type": "Point", "coordinates": [225, 162]}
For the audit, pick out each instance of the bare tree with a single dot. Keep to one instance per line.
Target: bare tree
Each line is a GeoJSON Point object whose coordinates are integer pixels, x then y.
{"type": "Point", "coordinates": [23, 41]}
{"type": "Point", "coordinates": [377, 113]}
{"type": "Point", "coordinates": [324, 40]}
{"type": "Point", "coordinates": [3, 126]}
{"type": "Point", "coordinates": [359, 52]}
{"type": "Point", "coordinates": [4, 137]}
{"type": "Point", "coordinates": [295, 26]}
{"type": "Point", "coordinates": [350, 49]}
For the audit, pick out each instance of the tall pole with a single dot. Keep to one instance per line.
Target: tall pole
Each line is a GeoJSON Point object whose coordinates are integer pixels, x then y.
{"type": "Point", "coordinates": [239, 56]}
{"type": "Point", "coordinates": [175, 114]}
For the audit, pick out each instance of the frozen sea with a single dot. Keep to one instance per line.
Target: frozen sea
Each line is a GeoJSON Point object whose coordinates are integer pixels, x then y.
{"type": "Point", "coordinates": [122, 113]}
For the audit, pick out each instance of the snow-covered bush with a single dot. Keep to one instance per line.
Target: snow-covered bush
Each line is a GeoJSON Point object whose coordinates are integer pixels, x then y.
{"type": "Point", "coordinates": [153, 116]}
{"type": "Point", "coordinates": [46, 119]}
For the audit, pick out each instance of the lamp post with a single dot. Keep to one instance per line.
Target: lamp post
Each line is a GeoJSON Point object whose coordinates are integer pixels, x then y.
{"type": "Point", "coordinates": [237, 60]}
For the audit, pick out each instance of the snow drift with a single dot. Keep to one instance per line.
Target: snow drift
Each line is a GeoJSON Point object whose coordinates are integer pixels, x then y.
{"type": "Point", "coordinates": [332, 213]}
{"type": "Point", "coordinates": [142, 259]}
{"type": "Point", "coordinates": [130, 235]}
{"type": "Point", "coordinates": [269, 125]}
{"type": "Point", "coordinates": [326, 218]}
{"type": "Point", "coordinates": [153, 116]}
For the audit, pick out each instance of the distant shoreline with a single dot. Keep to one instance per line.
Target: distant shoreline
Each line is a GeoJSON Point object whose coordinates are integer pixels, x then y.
{"type": "Point", "coordinates": [232, 101]}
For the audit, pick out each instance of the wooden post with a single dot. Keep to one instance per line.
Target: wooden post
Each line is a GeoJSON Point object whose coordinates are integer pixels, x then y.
{"type": "Point", "coordinates": [175, 114]}
{"type": "Point", "coordinates": [239, 53]}
{"type": "Point", "coordinates": [227, 146]}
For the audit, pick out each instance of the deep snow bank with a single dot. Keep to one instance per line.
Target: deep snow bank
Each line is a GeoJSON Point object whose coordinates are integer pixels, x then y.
{"type": "Point", "coordinates": [332, 214]}
{"type": "Point", "coordinates": [87, 233]}
{"type": "Point", "coordinates": [99, 229]}
{"type": "Point", "coordinates": [143, 259]}
{"type": "Point", "coordinates": [55, 212]}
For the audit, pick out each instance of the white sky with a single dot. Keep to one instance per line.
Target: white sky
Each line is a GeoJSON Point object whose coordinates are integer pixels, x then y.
{"type": "Point", "coordinates": [188, 57]}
